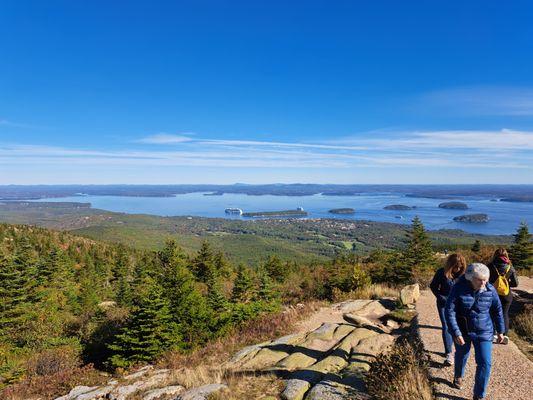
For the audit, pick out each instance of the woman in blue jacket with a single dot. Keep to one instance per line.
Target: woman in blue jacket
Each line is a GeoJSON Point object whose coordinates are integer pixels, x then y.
{"type": "Point", "coordinates": [441, 285]}
{"type": "Point", "coordinates": [473, 312]}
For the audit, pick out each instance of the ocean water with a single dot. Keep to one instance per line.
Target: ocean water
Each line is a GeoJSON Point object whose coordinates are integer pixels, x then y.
{"type": "Point", "coordinates": [504, 216]}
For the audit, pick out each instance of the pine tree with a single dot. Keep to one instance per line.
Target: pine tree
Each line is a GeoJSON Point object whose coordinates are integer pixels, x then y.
{"type": "Point", "coordinates": [215, 296]}
{"type": "Point", "coordinates": [476, 246]}
{"type": "Point", "coordinates": [521, 252]}
{"type": "Point", "coordinates": [276, 269]}
{"type": "Point", "coordinates": [204, 262]}
{"type": "Point", "coordinates": [418, 254]}
{"type": "Point", "coordinates": [150, 329]}
{"type": "Point", "coordinates": [188, 306]}
{"type": "Point", "coordinates": [243, 286]}
{"type": "Point", "coordinates": [267, 291]}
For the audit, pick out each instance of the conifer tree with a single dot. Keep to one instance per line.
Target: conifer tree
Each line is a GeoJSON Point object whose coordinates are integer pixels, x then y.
{"type": "Point", "coordinates": [476, 246]}
{"type": "Point", "coordinates": [215, 296]}
{"type": "Point", "coordinates": [266, 291]}
{"type": "Point", "coordinates": [276, 269]}
{"type": "Point", "coordinates": [150, 329]}
{"type": "Point", "coordinates": [521, 252]}
{"type": "Point", "coordinates": [188, 306]}
{"type": "Point", "coordinates": [204, 262]}
{"type": "Point", "coordinates": [243, 286]}
{"type": "Point", "coordinates": [418, 254]}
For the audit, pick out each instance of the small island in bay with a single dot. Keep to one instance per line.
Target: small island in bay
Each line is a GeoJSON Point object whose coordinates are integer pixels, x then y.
{"type": "Point", "coordinates": [398, 207]}
{"type": "Point", "coordinates": [299, 212]}
{"type": "Point", "coordinates": [342, 211]}
{"type": "Point", "coordinates": [454, 205]}
{"type": "Point", "coordinates": [473, 218]}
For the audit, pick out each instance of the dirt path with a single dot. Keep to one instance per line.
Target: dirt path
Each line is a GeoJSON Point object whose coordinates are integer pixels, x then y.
{"type": "Point", "coordinates": [512, 372]}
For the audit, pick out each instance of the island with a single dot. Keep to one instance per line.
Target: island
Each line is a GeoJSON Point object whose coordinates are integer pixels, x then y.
{"type": "Point", "coordinates": [454, 205]}
{"type": "Point", "coordinates": [472, 218]}
{"type": "Point", "coordinates": [283, 213]}
{"type": "Point", "coordinates": [342, 211]}
{"type": "Point", "coordinates": [400, 207]}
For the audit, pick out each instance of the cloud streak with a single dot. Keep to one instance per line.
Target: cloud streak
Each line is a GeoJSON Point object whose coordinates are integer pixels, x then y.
{"type": "Point", "coordinates": [481, 101]}
{"type": "Point", "coordinates": [505, 149]}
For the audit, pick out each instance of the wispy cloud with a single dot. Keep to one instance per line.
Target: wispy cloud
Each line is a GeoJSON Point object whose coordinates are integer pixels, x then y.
{"type": "Point", "coordinates": [480, 100]}
{"type": "Point", "coordinates": [505, 149]}
{"type": "Point", "coordinates": [10, 124]}
{"type": "Point", "coordinates": [165, 138]}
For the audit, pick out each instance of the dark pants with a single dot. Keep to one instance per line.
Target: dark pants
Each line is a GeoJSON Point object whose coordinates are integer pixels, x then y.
{"type": "Point", "coordinates": [446, 335]}
{"type": "Point", "coordinates": [506, 305]}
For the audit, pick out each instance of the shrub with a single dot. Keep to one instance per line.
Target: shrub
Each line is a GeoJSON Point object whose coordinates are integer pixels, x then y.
{"type": "Point", "coordinates": [399, 374]}
{"type": "Point", "coordinates": [523, 324]}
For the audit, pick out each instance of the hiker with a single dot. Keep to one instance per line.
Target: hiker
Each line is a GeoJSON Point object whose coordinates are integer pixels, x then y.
{"type": "Point", "coordinates": [441, 284]}
{"type": "Point", "coordinates": [473, 310]}
{"type": "Point", "coordinates": [503, 278]}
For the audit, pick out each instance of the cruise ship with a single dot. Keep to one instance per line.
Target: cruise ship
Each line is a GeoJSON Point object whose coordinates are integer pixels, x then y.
{"type": "Point", "coordinates": [233, 211]}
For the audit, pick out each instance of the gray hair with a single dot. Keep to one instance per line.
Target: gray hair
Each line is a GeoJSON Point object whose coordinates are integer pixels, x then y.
{"type": "Point", "coordinates": [477, 270]}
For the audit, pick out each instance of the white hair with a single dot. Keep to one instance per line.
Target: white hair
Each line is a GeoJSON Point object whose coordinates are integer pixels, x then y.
{"type": "Point", "coordinates": [477, 270]}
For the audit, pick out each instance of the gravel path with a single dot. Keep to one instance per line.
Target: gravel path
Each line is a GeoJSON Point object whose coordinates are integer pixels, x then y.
{"type": "Point", "coordinates": [512, 372]}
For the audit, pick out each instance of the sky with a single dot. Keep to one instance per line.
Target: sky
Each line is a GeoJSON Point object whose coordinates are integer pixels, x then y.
{"type": "Point", "coordinates": [170, 92]}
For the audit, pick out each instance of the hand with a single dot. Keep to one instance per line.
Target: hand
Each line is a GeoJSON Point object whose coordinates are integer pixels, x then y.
{"type": "Point", "coordinates": [499, 339]}
{"type": "Point", "coordinates": [460, 341]}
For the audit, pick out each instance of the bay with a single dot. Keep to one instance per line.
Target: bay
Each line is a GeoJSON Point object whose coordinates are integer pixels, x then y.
{"type": "Point", "coordinates": [504, 216]}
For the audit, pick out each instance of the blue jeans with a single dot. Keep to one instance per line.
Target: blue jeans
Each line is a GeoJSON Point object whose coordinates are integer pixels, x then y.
{"type": "Point", "coordinates": [446, 335]}
{"type": "Point", "coordinates": [483, 353]}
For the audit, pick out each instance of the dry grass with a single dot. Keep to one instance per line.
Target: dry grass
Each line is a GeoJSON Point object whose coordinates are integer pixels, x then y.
{"type": "Point", "coordinates": [399, 375]}
{"type": "Point", "coordinates": [374, 292]}
{"type": "Point", "coordinates": [52, 386]}
{"type": "Point", "coordinates": [523, 323]}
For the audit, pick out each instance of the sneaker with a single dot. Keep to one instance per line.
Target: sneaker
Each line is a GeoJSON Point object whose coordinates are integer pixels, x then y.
{"type": "Point", "coordinates": [448, 361]}
{"type": "Point", "coordinates": [495, 339]}
{"type": "Point", "coordinates": [457, 382]}
{"type": "Point", "coordinates": [505, 339]}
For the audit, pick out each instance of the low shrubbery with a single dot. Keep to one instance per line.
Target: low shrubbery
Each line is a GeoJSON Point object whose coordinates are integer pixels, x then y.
{"type": "Point", "coordinates": [400, 374]}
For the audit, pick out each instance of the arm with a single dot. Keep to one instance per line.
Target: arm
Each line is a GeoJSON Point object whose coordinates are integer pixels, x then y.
{"type": "Point", "coordinates": [513, 279]}
{"type": "Point", "coordinates": [496, 312]}
{"type": "Point", "coordinates": [435, 284]}
{"type": "Point", "coordinates": [451, 314]}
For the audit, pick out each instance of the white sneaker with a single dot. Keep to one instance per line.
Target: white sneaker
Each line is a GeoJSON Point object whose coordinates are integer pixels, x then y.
{"type": "Point", "coordinates": [494, 339]}
{"type": "Point", "coordinates": [505, 339]}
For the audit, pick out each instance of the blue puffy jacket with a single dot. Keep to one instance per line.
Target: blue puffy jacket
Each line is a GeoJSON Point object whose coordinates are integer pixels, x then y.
{"type": "Point", "coordinates": [472, 313]}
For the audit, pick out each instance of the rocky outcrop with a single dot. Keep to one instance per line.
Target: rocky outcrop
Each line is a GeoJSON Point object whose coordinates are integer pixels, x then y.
{"type": "Point", "coordinates": [157, 394]}
{"type": "Point", "coordinates": [410, 294]}
{"type": "Point", "coordinates": [202, 392]}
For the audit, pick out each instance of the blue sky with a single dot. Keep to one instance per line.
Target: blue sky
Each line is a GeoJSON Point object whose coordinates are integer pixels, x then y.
{"type": "Point", "coordinates": [266, 91]}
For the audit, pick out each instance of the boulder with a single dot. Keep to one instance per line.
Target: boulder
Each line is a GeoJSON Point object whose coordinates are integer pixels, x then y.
{"type": "Point", "coordinates": [266, 357]}
{"type": "Point", "coordinates": [323, 332]}
{"type": "Point", "coordinates": [78, 390]}
{"type": "Point", "coordinates": [295, 361]}
{"type": "Point", "coordinates": [410, 294]}
{"type": "Point", "coordinates": [96, 394]}
{"type": "Point", "coordinates": [122, 392]}
{"type": "Point", "coordinates": [364, 308]}
{"type": "Point", "coordinates": [332, 389]}
{"type": "Point", "coordinates": [295, 389]}
{"type": "Point", "coordinates": [362, 322]}
{"type": "Point", "coordinates": [141, 372]}
{"type": "Point", "coordinates": [202, 392]}
{"type": "Point", "coordinates": [156, 394]}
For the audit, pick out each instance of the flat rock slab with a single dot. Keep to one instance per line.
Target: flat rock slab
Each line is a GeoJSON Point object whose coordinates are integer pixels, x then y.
{"type": "Point", "coordinates": [95, 394]}
{"type": "Point", "coordinates": [141, 372]}
{"type": "Point", "coordinates": [122, 392]}
{"type": "Point", "coordinates": [364, 308]}
{"type": "Point", "coordinates": [75, 392]}
{"type": "Point", "coordinates": [157, 394]}
{"type": "Point", "coordinates": [202, 392]}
